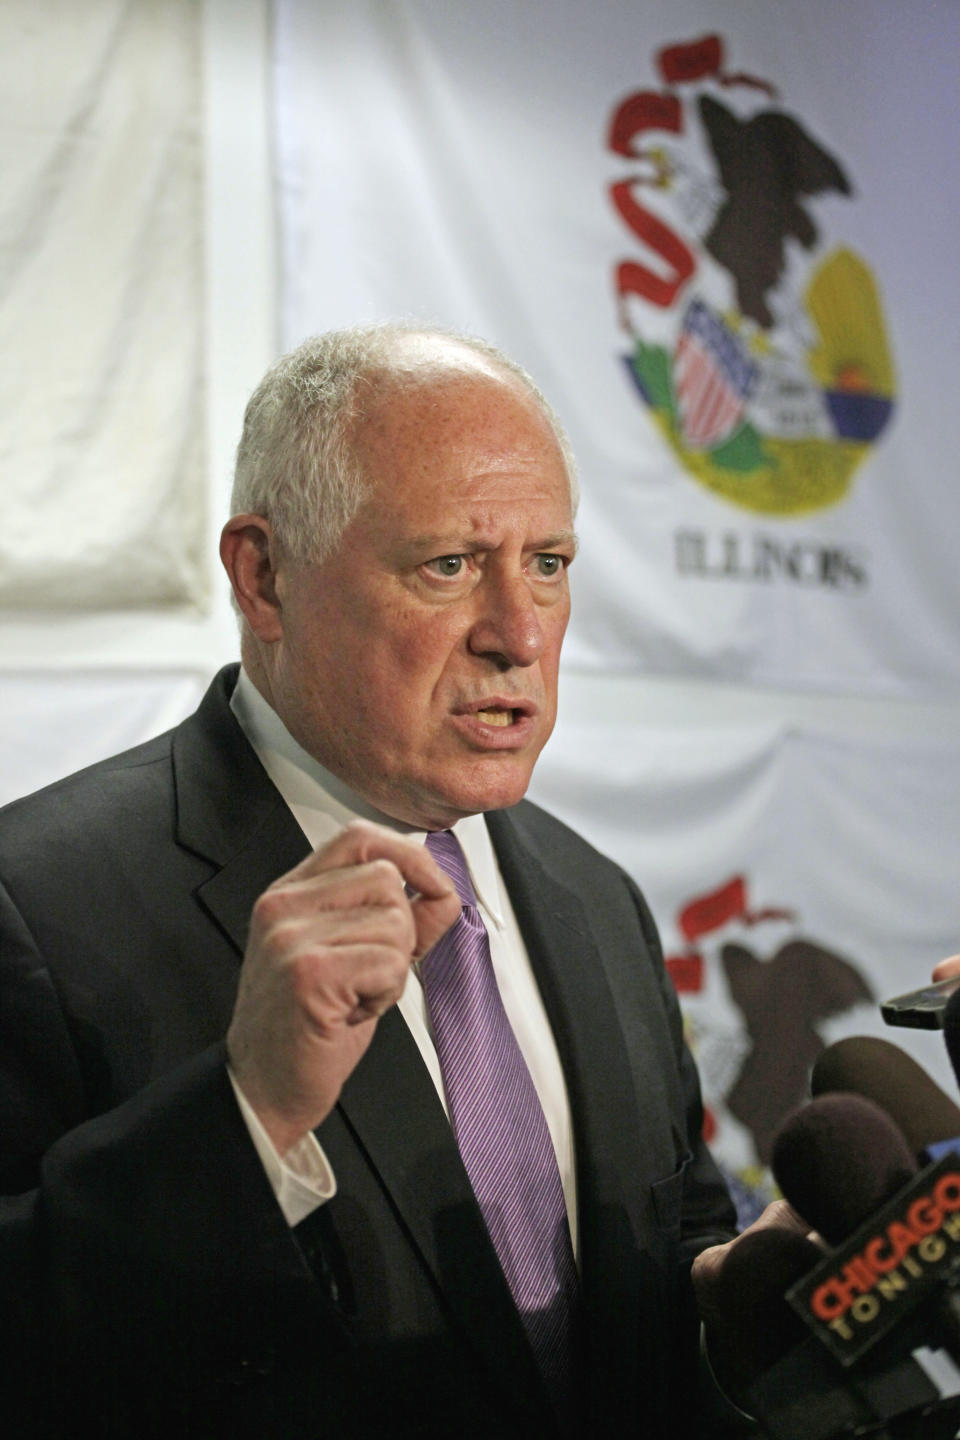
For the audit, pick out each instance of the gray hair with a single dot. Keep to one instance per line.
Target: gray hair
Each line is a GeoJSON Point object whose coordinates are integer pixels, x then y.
{"type": "Point", "coordinates": [296, 464]}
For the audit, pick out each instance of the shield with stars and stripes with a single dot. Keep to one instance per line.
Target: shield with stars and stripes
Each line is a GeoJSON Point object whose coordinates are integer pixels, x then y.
{"type": "Point", "coordinates": [712, 378]}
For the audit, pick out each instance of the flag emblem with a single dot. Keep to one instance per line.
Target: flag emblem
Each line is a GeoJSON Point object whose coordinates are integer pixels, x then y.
{"type": "Point", "coordinates": [713, 377]}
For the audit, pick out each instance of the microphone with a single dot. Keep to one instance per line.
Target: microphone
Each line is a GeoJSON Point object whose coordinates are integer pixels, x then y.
{"type": "Point", "coordinates": [852, 1144]}
{"type": "Point", "coordinates": [880, 1303]}
{"type": "Point", "coordinates": [951, 1032]}
{"type": "Point", "coordinates": [882, 1072]}
{"type": "Point", "coordinates": [749, 1324]}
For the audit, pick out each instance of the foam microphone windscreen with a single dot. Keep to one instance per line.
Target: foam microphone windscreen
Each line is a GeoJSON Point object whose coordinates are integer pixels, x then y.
{"type": "Point", "coordinates": [880, 1071]}
{"type": "Point", "coordinates": [951, 1033]}
{"type": "Point", "coordinates": [837, 1160]}
{"type": "Point", "coordinates": [758, 1270]}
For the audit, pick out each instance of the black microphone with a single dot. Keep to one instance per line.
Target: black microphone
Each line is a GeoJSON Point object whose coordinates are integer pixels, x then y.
{"type": "Point", "coordinates": [837, 1160]}
{"type": "Point", "coordinates": [883, 1300]}
{"type": "Point", "coordinates": [749, 1324]}
{"type": "Point", "coordinates": [951, 1032]}
{"type": "Point", "coordinates": [882, 1072]}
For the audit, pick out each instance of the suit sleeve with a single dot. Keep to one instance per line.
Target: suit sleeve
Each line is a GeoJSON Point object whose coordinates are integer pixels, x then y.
{"type": "Point", "coordinates": [151, 1284]}
{"type": "Point", "coordinates": [708, 1214]}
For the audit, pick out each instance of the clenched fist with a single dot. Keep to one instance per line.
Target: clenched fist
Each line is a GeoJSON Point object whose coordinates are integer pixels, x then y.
{"type": "Point", "coordinates": [330, 946]}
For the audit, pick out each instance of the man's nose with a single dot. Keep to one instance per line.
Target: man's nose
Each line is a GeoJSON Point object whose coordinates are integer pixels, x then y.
{"type": "Point", "coordinates": [507, 628]}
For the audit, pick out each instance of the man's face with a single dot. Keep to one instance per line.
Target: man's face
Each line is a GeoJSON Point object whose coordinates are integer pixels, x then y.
{"type": "Point", "coordinates": [419, 662]}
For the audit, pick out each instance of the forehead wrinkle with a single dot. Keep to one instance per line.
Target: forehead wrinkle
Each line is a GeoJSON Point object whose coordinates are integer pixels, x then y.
{"type": "Point", "coordinates": [475, 535]}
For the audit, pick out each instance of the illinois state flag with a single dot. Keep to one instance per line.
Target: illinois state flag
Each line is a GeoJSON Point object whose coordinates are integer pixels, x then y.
{"type": "Point", "coordinates": [722, 237]}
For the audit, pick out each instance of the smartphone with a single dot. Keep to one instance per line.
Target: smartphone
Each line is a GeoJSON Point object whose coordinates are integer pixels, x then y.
{"type": "Point", "coordinates": [922, 1009]}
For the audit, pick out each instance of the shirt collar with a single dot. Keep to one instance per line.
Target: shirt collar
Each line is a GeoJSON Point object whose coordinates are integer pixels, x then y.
{"type": "Point", "coordinates": [322, 804]}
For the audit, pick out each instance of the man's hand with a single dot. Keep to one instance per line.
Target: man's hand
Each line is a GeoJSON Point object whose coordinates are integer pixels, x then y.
{"type": "Point", "coordinates": [946, 969]}
{"type": "Point", "coordinates": [330, 946]}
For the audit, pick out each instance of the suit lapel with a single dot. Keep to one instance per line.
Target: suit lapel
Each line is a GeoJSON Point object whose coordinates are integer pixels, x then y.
{"type": "Point", "coordinates": [267, 851]}
{"type": "Point", "coordinates": [391, 1108]}
{"type": "Point", "coordinates": [611, 1194]}
{"type": "Point", "coordinates": [230, 812]}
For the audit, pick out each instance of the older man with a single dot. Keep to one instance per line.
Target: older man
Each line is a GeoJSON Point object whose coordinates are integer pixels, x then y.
{"type": "Point", "coordinates": [434, 1166]}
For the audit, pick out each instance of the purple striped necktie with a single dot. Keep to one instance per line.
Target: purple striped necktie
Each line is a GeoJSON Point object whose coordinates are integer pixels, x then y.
{"type": "Point", "coordinates": [500, 1127]}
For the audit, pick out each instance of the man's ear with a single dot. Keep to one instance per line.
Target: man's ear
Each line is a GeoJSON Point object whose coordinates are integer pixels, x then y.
{"type": "Point", "coordinates": [249, 558]}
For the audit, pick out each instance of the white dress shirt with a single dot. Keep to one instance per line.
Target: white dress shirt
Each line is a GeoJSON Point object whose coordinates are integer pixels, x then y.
{"type": "Point", "coordinates": [322, 805]}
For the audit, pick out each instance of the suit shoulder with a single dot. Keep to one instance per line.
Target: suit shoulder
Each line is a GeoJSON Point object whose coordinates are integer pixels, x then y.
{"type": "Point", "coordinates": [78, 800]}
{"type": "Point", "coordinates": [575, 861]}
{"type": "Point", "coordinates": [91, 777]}
{"type": "Point", "coordinates": [124, 785]}
{"type": "Point", "coordinates": [544, 831]}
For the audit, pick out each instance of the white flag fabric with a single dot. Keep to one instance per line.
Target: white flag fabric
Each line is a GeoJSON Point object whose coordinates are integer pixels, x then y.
{"type": "Point", "coordinates": [101, 380]}
{"type": "Point", "coordinates": [722, 237]}
{"type": "Point", "coordinates": [798, 878]}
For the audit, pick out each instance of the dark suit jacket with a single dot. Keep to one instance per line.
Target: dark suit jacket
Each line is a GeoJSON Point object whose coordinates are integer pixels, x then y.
{"type": "Point", "coordinates": [152, 1282]}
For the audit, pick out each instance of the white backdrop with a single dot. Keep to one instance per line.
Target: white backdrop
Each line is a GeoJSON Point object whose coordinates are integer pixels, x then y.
{"type": "Point", "coordinates": [101, 385]}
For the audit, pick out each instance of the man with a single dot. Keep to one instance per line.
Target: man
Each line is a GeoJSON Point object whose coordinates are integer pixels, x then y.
{"type": "Point", "coordinates": [290, 1233]}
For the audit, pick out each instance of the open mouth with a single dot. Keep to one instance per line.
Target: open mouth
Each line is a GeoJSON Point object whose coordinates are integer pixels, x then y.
{"type": "Point", "coordinates": [494, 724]}
{"type": "Point", "coordinates": [496, 716]}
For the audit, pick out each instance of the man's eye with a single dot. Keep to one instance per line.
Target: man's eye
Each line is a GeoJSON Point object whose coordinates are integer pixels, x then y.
{"type": "Point", "coordinates": [549, 565]}
{"type": "Point", "coordinates": [448, 565]}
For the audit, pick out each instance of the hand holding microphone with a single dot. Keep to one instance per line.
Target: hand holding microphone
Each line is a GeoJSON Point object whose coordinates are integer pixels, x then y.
{"type": "Point", "coordinates": [740, 1289]}
{"type": "Point", "coordinates": [880, 1299]}
{"type": "Point", "coordinates": [882, 1306]}
{"type": "Point", "coordinates": [842, 1162]}
{"type": "Point", "coordinates": [923, 1009]}
{"type": "Point", "coordinates": [836, 1161]}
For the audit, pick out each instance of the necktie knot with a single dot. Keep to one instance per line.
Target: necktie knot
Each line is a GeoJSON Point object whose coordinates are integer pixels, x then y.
{"type": "Point", "coordinates": [445, 849]}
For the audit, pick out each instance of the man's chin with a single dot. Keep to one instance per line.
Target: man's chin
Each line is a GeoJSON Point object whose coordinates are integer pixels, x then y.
{"type": "Point", "coordinates": [484, 792]}
{"type": "Point", "coordinates": [434, 796]}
